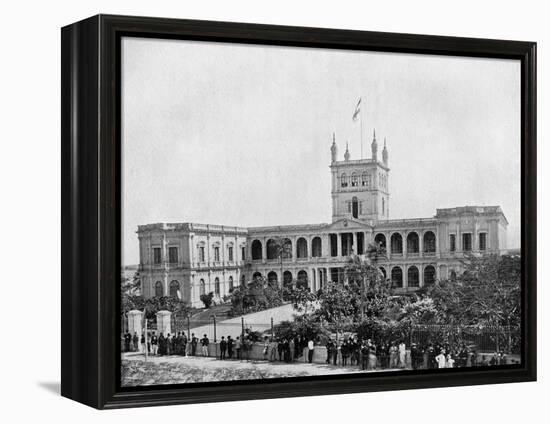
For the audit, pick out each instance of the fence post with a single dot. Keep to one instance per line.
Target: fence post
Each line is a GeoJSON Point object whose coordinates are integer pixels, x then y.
{"type": "Point", "coordinates": [188, 329]}
{"type": "Point", "coordinates": [272, 332]}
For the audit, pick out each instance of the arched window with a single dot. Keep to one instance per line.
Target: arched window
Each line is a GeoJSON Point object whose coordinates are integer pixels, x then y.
{"type": "Point", "coordinates": [397, 277]}
{"type": "Point", "coordinates": [354, 180]}
{"type": "Point", "coordinates": [287, 248]}
{"type": "Point", "coordinates": [202, 287]}
{"type": "Point", "coordinates": [380, 239]}
{"type": "Point", "coordinates": [453, 275]}
{"type": "Point", "coordinates": [287, 278]}
{"type": "Point", "coordinates": [257, 275]}
{"type": "Point", "coordinates": [217, 286]}
{"type": "Point", "coordinates": [383, 272]}
{"type": "Point", "coordinates": [412, 243]}
{"type": "Point", "coordinates": [413, 277]}
{"type": "Point", "coordinates": [354, 207]}
{"type": "Point", "coordinates": [231, 283]}
{"type": "Point", "coordinates": [316, 247]}
{"type": "Point", "coordinates": [174, 289]}
{"type": "Point", "coordinates": [429, 242]}
{"type": "Point", "coordinates": [301, 248]}
{"type": "Point", "coordinates": [159, 292]}
{"type": "Point", "coordinates": [243, 280]}
{"type": "Point", "coordinates": [343, 180]}
{"type": "Point", "coordinates": [301, 281]}
{"type": "Point", "coordinates": [272, 277]}
{"type": "Point", "coordinates": [429, 275]}
{"type": "Point", "coordinates": [256, 250]}
{"type": "Point", "coordinates": [271, 247]}
{"type": "Point", "coordinates": [396, 244]}
{"type": "Point", "coordinates": [216, 253]}
{"type": "Point", "coordinates": [365, 179]}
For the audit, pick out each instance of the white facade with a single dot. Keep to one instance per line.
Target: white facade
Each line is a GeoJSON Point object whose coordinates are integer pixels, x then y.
{"type": "Point", "coordinates": [190, 259]}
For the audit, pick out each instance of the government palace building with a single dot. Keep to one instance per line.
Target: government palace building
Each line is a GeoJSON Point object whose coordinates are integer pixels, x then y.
{"type": "Point", "coordinates": [195, 259]}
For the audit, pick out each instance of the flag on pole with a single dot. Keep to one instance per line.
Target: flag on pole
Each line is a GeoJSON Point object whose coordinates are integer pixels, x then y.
{"type": "Point", "coordinates": [357, 110]}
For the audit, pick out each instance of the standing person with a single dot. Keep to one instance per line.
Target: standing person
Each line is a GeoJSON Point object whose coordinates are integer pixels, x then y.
{"type": "Point", "coordinates": [154, 344]}
{"type": "Point", "coordinates": [162, 345]}
{"type": "Point", "coordinates": [184, 344]}
{"type": "Point", "coordinates": [364, 355]}
{"type": "Point", "coordinates": [449, 361]}
{"type": "Point", "coordinates": [344, 351]}
{"type": "Point", "coordinates": [127, 340]}
{"type": "Point", "coordinates": [238, 347]}
{"type": "Point", "coordinates": [286, 351]}
{"type": "Point", "coordinates": [229, 347]}
{"type": "Point", "coordinates": [265, 350]}
{"type": "Point", "coordinates": [292, 349]}
{"type": "Point", "coordinates": [168, 348]}
{"type": "Point", "coordinates": [194, 343]}
{"type": "Point", "coordinates": [142, 342]}
{"type": "Point", "coordinates": [297, 342]}
{"type": "Point", "coordinates": [393, 355]}
{"type": "Point", "coordinates": [402, 355]}
{"type": "Point", "coordinates": [204, 345]}
{"type": "Point", "coordinates": [441, 359]}
{"type": "Point", "coordinates": [335, 351]}
{"type": "Point", "coordinates": [280, 349]}
{"type": "Point", "coordinates": [135, 341]}
{"type": "Point", "coordinates": [272, 350]}
{"type": "Point", "coordinates": [383, 355]}
{"type": "Point", "coordinates": [223, 348]}
{"type": "Point", "coordinates": [310, 349]}
{"type": "Point", "coordinates": [329, 346]}
{"type": "Point", "coordinates": [415, 356]}
{"type": "Point", "coordinates": [371, 364]}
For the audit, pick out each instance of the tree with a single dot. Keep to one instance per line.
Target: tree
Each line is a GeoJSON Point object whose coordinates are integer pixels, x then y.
{"type": "Point", "coordinates": [207, 299]}
{"type": "Point", "coordinates": [487, 294]}
{"type": "Point", "coordinates": [131, 292]}
{"type": "Point", "coordinates": [257, 295]}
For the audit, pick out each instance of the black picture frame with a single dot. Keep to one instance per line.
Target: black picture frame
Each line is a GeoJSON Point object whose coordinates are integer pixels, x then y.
{"type": "Point", "coordinates": [91, 200]}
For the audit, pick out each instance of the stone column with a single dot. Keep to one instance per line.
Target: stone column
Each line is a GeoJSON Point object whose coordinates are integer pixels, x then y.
{"type": "Point", "coordinates": [355, 243]}
{"type": "Point", "coordinates": [405, 276]}
{"type": "Point", "coordinates": [421, 244]}
{"type": "Point", "coordinates": [164, 319]}
{"type": "Point", "coordinates": [404, 241]}
{"type": "Point", "coordinates": [134, 322]}
{"type": "Point", "coordinates": [264, 249]}
{"type": "Point", "coordinates": [339, 244]}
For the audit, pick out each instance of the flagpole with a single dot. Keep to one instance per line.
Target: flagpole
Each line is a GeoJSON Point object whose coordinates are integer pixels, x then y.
{"type": "Point", "coordinates": [361, 129]}
{"type": "Point", "coordinates": [146, 341]}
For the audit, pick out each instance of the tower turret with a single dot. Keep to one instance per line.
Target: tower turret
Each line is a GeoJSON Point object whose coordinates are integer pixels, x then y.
{"type": "Point", "coordinates": [346, 155]}
{"type": "Point", "coordinates": [374, 147]}
{"type": "Point", "coordinates": [385, 153]}
{"type": "Point", "coordinates": [334, 149]}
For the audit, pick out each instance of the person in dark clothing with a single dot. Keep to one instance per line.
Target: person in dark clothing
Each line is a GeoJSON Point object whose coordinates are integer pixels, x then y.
{"type": "Point", "coordinates": [286, 351]}
{"type": "Point", "coordinates": [184, 344]}
{"type": "Point", "coordinates": [329, 346]}
{"type": "Point", "coordinates": [364, 356]}
{"type": "Point", "coordinates": [229, 347]}
{"type": "Point", "coordinates": [162, 345]}
{"type": "Point", "coordinates": [416, 356]}
{"type": "Point", "coordinates": [298, 346]}
{"type": "Point", "coordinates": [223, 348]}
{"type": "Point", "coordinates": [154, 344]}
{"type": "Point", "coordinates": [135, 342]}
{"type": "Point", "coordinates": [344, 350]}
{"type": "Point", "coordinates": [168, 348]}
{"type": "Point", "coordinates": [383, 355]}
{"type": "Point", "coordinates": [127, 341]}
{"type": "Point", "coordinates": [280, 349]}
{"type": "Point", "coordinates": [194, 343]}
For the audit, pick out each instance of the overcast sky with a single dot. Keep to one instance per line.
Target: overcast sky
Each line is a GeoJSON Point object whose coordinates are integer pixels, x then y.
{"type": "Point", "coordinates": [240, 134]}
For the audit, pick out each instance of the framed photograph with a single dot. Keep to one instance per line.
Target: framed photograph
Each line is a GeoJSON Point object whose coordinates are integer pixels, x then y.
{"type": "Point", "coordinates": [254, 211]}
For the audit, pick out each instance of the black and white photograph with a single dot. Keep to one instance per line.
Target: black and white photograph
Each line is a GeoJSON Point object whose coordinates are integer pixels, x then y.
{"type": "Point", "coordinates": [299, 212]}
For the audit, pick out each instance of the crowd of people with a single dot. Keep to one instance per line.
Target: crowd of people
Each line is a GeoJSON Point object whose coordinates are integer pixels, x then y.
{"type": "Point", "coordinates": [346, 352]}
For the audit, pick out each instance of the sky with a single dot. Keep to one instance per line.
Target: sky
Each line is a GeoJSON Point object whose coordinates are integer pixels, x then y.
{"type": "Point", "coordinates": [238, 134]}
